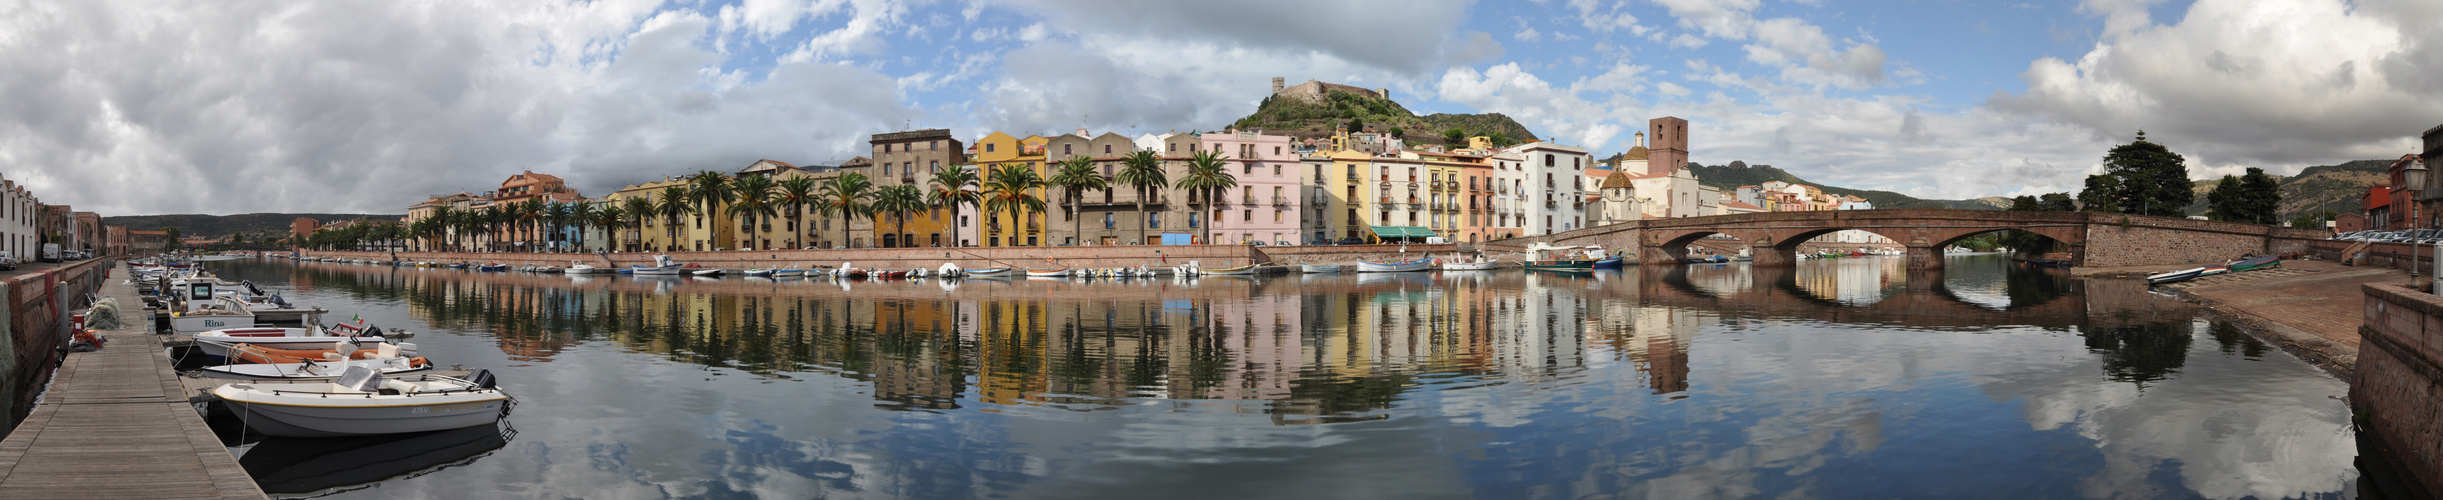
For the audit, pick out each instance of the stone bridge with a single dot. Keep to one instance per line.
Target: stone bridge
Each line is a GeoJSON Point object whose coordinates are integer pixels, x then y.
{"type": "Point", "coordinates": [2091, 238]}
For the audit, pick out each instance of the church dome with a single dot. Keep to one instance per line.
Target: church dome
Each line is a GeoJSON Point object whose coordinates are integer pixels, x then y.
{"type": "Point", "coordinates": [1616, 180]}
{"type": "Point", "coordinates": [1635, 153]}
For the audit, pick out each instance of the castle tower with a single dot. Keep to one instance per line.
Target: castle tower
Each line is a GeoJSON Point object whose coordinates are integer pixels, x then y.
{"type": "Point", "coordinates": [1670, 150]}
{"type": "Point", "coordinates": [1276, 85]}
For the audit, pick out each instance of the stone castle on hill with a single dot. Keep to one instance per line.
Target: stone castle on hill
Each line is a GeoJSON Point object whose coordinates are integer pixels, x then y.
{"type": "Point", "coordinates": [1313, 92]}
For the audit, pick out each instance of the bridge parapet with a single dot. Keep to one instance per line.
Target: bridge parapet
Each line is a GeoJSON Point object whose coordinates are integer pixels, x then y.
{"type": "Point", "coordinates": [2091, 238]}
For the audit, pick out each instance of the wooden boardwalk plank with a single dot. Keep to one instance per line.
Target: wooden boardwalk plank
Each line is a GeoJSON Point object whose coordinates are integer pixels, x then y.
{"type": "Point", "coordinates": [116, 424]}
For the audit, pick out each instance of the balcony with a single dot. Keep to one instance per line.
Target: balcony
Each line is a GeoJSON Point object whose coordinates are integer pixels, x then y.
{"type": "Point", "coordinates": [1278, 201]}
{"type": "Point", "coordinates": [1352, 178]}
{"type": "Point", "coordinates": [1551, 204]}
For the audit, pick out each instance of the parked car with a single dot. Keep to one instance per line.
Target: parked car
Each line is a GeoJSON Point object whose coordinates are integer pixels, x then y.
{"type": "Point", "coordinates": [8, 261]}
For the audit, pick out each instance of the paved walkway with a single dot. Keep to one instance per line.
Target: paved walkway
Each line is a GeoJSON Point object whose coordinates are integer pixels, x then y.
{"type": "Point", "coordinates": [116, 424]}
{"type": "Point", "coordinates": [2313, 306]}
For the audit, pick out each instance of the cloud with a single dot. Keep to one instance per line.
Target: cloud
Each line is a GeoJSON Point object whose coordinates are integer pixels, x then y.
{"type": "Point", "coordinates": [1275, 26]}
{"type": "Point", "coordinates": [2250, 83]}
{"type": "Point", "coordinates": [1558, 113]}
{"type": "Point", "coordinates": [232, 108]}
{"type": "Point", "coordinates": [1727, 19]}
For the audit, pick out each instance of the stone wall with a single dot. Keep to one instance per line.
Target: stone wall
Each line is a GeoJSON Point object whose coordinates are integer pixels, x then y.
{"type": "Point", "coordinates": [967, 257]}
{"type": "Point", "coordinates": [39, 304]}
{"type": "Point", "coordinates": [2398, 386]}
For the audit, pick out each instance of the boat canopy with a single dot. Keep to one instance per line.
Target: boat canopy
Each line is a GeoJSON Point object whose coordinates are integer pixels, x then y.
{"type": "Point", "coordinates": [1401, 232]}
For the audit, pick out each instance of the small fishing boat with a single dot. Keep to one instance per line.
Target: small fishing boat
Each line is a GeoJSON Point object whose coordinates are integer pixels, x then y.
{"type": "Point", "coordinates": [362, 402]}
{"type": "Point", "coordinates": [758, 272]}
{"type": "Point", "coordinates": [1477, 262]}
{"type": "Point", "coordinates": [889, 275]}
{"type": "Point", "coordinates": [493, 268]}
{"type": "Point", "coordinates": [1710, 259]}
{"type": "Point", "coordinates": [997, 271]}
{"type": "Point", "coordinates": [788, 272]}
{"type": "Point", "coordinates": [1544, 257]}
{"type": "Point", "coordinates": [2175, 276]}
{"type": "Point", "coordinates": [1055, 273]}
{"type": "Point", "coordinates": [1319, 268]}
{"type": "Point", "coordinates": [2214, 270]}
{"type": "Point", "coordinates": [385, 359]}
{"type": "Point", "coordinates": [710, 273]}
{"type": "Point", "coordinates": [662, 266]}
{"type": "Point", "coordinates": [1420, 264]}
{"type": "Point", "coordinates": [1246, 270]}
{"type": "Point", "coordinates": [2265, 262]}
{"type": "Point", "coordinates": [575, 267]}
{"type": "Point", "coordinates": [218, 343]}
{"type": "Point", "coordinates": [949, 270]}
{"type": "Point", "coordinates": [1609, 262]}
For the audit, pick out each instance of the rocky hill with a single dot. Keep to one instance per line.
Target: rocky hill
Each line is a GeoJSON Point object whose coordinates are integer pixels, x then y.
{"type": "Point", "coordinates": [1728, 178]}
{"type": "Point", "coordinates": [2338, 188]}
{"type": "Point", "coordinates": [252, 225]}
{"type": "Point", "coordinates": [1299, 118]}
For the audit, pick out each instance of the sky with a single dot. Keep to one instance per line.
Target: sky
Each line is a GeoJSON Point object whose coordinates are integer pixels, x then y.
{"type": "Point", "coordinates": [241, 106]}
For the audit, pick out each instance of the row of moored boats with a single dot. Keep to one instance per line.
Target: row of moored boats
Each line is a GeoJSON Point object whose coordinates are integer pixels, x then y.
{"type": "Point", "coordinates": [312, 380]}
{"type": "Point", "coordinates": [2248, 264]}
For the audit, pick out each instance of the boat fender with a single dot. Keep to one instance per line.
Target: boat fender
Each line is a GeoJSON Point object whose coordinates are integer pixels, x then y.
{"type": "Point", "coordinates": [483, 378]}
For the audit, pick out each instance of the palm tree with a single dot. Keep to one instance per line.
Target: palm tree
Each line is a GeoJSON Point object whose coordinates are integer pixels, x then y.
{"type": "Point", "coordinates": [847, 196]}
{"type": "Point", "coordinates": [951, 189]}
{"type": "Point", "coordinates": [638, 208]}
{"type": "Point", "coordinates": [555, 216]}
{"type": "Point", "coordinates": [796, 193]}
{"type": "Point", "coordinates": [754, 206]}
{"type": "Point", "coordinates": [609, 218]}
{"type": "Point", "coordinates": [1076, 176]}
{"type": "Point", "coordinates": [1142, 170]}
{"type": "Point", "coordinates": [530, 214]}
{"type": "Point", "coordinates": [580, 214]}
{"type": "Point", "coordinates": [442, 216]}
{"type": "Point", "coordinates": [671, 207]}
{"type": "Point", "coordinates": [710, 190]}
{"type": "Point", "coordinates": [898, 200]}
{"type": "Point", "coordinates": [1208, 176]}
{"type": "Point", "coordinates": [1012, 189]}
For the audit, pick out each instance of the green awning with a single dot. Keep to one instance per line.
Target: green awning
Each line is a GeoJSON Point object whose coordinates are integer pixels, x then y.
{"type": "Point", "coordinates": [1402, 232]}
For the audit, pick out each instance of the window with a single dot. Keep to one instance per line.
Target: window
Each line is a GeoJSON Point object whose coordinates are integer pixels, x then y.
{"type": "Point", "coordinates": [886, 170]}
{"type": "Point", "coordinates": [1249, 216]}
{"type": "Point", "coordinates": [937, 166]}
{"type": "Point", "coordinates": [1064, 149]}
{"type": "Point", "coordinates": [1276, 216]}
{"type": "Point", "coordinates": [1174, 147]}
{"type": "Point", "coordinates": [937, 146]}
{"type": "Point", "coordinates": [1547, 160]}
{"type": "Point", "coordinates": [1276, 170]}
{"type": "Point", "coordinates": [1106, 149]}
{"type": "Point", "coordinates": [962, 221]}
{"type": "Point", "coordinates": [1573, 162]}
{"type": "Point", "coordinates": [1108, 221]}
{"type": "Point", "coordinates": [988, 147]}
{"type": "Point", "coordinates": [1153, 221]}
{"type": "Point", "coordinates": [1276, 150]}
{"type": "Point", "coordinates": [1192, 220]}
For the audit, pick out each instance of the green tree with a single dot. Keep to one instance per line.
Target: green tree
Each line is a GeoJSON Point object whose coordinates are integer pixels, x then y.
{"type": "Point", "coordinates": [2264, 197]}
{"type": "Point", "coordinates": [2058, 202]}
{"type": "Point", "coordinates": [2100, 194]}
{"type": "Point", "coordinates": [1142, 171]}
{"type": "Point", "coordinates": [754, 209]}
{"type": "Point", "coordinates": [849, 196]}
{"type": "Point", "coordinates": [1208, 177]}
{"type": "Point", "coordinates": [953, 188]}
{"type": "Point", "coordinates": [2146, 179]}
{"type": "Point", "coordinates": [638, 208]}
{"type": "Point", "coordinates": [795, 193]}
{"type": "Point", "coordinates": [672, 206]}
{"type": "Point", "coordinates": [1356, 125]}
{"type": "Point", "coordinates": [1011, 188]}
{"type": "Point", "coordinates": [1399, 132]}
{"type": "Point", "coordinates": [2312, 220]}
{"type": "Point", "coordinates": [1077, 176]}
{"type": "Point", "coordinates": [709, 190]}
{"type": "Point", "coordinates": [610, 217]}
{"type": "Point", "coordinates": [1454, 136]}
{"type": "Point", "coordinates": [899, 200]}
{"type": "Point", "coordinates": [2224, 203]}
{"type": "Point", "coordinates": [2025, 203]}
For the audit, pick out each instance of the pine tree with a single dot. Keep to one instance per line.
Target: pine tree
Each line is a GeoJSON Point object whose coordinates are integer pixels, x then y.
{"type": "Point", "coordinates": [2145, 178]}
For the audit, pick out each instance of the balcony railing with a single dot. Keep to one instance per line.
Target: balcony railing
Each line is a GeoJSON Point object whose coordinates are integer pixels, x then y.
{"type": "Point", "coordinates": [1278, 201]}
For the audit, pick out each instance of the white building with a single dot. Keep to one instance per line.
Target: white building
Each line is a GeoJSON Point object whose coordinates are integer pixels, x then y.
{"type": "Point", "coordinates": [1555, 186]}
{"type": "Point", "coordinates": [1509, 194]}
{"type": "Point", "coordinates": [20, 221]}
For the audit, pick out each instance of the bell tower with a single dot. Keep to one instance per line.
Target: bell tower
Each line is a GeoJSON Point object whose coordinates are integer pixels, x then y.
{"type": "Point", "coordinates": [1670, 149]}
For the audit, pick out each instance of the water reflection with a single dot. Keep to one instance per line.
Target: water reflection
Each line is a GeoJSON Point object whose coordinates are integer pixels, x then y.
{"type": "Point", "coordinates": [1842, 377]}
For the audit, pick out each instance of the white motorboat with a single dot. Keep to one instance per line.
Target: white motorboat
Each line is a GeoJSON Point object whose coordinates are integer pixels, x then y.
{"type": "Point", "coordinates": [1319, 268]}
{"type": "Point", "coordinates": [708, 272]}
{"type": "Point", "coordinates": [575, 267]}
{"type": "Point", "coordinates": [217, 343]}
{"type": "Point", "coordinates": [361, 402]}
{"type": "Point", "coordinates": [662, 266]}
{"type": "Point", "coordinates": [224, 312]}
{"type": "Point", "coordinates": [1420, 264]}
{"type": "Point", "coordinates": [1056, 273]}
{"type": "Point", "coordinates": [387, 361]}
{"type": "Point", "coordinates": [788, 272]}
{"type": "Point", "coordinates": [949, 270]}
{"type": "Point", "coordinates": [998, 271]}
{"type": "Point", "coordinates": [754, 272]}
{"type": "Point", "coordinates": [1463, 263]}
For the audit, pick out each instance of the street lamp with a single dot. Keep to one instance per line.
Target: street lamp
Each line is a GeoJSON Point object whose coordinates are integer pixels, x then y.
{"type": "Point", "coordinates": [2414, 177]}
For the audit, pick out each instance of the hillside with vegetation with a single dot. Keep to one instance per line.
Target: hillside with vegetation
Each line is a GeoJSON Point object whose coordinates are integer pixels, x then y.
{"type": "Point", "coordinates": [252, 226]}
{"type": "Point", "coordinates": [2339, 189]}
{"type": "Point", "coordinates": [1299, 118]}
{"type": "Point", "coordinates": [1728, 178]}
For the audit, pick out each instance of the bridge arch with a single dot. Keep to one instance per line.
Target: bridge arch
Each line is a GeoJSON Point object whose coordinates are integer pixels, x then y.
{"type": "Point", "coordinates": [2043, 240]}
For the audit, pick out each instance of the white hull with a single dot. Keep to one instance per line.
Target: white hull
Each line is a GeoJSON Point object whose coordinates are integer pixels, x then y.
{"type": "Point", "coordinates": [311, 372]}
{"type": "Point", "coordinates": [656, 271]}
{"type": "Point", "coordinates": [1064, 273]}
{"type": "Point", "coordinates": [1315, 269]}
{"type": "Point", "coordinates": [204, 323]}
{"type": "Point", "coordinates": [328, 410]}
{"type": "Point", "coordinates": [1394, 267]}
{"type": "Point", "coordinates": [1468, 266]}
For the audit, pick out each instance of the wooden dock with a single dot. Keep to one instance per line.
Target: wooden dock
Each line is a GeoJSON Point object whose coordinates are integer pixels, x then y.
{"type": "Point", "coordinates": [116, 423]}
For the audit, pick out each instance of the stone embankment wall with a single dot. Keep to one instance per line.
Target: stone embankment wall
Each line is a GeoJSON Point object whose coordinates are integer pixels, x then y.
{"type": "Point", "coordinates": [2398, 387]}
{"type": "Point", "coordinates": [967, 257]}
{"type": "Point", "coordinates": [2128, 240]}
{"type": "Point", "coordinates": [39, 304]}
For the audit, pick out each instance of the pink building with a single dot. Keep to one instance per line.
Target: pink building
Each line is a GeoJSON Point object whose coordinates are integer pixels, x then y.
{"type": "Point", "coordinates": [1264, 207]}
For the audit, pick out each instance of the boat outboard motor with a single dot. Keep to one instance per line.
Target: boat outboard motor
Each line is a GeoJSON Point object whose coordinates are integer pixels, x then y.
{"type": "Point", "coordinates": [483, 378]}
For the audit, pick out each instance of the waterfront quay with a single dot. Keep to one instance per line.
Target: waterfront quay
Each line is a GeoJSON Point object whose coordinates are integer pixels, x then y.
{"type": "Point", "coordinates": [116, 423]}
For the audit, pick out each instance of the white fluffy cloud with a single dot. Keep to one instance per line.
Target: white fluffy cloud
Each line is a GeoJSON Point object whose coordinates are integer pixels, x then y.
{"type": "Point", "coordinates": [325, 107]}
{"type": "Point", "coordinates": [2241, 83]}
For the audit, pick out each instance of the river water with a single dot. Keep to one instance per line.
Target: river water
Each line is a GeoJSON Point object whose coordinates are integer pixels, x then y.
{"type": "Point", "coordinates": [1843, 378]}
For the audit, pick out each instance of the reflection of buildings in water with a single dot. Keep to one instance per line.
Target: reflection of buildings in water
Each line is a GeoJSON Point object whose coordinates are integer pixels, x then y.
{"type": "Point", "coordinates": [1264, 347]}
{"type": "Point", "coordinates": [1720, 280]}
{"type": "Point", "coordinates": [1853, 281]}
{"type": "Point", "coordinates": [1551, 322]}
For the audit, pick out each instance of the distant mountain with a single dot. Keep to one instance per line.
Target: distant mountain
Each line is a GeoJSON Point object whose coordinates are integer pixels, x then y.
{"type": "Point", "coordinates": [2339, 188]}
{"type": "Point", "coordinates": [1728, 178]}
{"type": "Point", "coordinates": [1304, 119]}
{"type": "Point", "coordinates": [219, 225]}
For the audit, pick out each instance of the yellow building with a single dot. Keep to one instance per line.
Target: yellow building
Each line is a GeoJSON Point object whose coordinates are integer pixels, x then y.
{"type": "Point", "coordinates": [994, 151]}
{"type": "Point", "coordinates": [1346, 182]}
{"type": "Point", "coordinates": [691, 233]}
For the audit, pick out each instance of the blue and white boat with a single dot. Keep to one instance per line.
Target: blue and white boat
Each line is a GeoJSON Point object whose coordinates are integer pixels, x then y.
{"type": "Point", "coordinates": [662, 266]}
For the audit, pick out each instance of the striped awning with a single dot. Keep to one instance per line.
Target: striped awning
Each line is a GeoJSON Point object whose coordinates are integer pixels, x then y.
{"type": "Point", "coordinates": [1402, 232]}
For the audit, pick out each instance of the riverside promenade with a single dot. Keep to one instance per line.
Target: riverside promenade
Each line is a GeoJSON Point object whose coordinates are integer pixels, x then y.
{"type": "Point", "coordinates": [115, 423]}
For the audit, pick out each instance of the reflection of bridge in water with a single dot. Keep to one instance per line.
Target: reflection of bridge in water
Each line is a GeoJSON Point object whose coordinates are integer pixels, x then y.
{"type": "Point", "coordinates": [1920, 298]}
